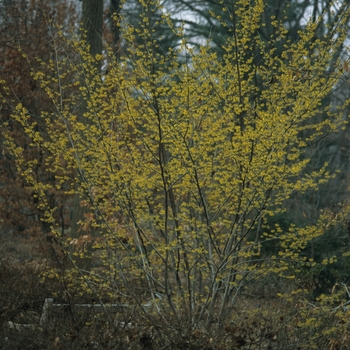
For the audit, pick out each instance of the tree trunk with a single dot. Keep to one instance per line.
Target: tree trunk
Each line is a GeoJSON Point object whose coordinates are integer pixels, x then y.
{"type": "Point", "coordinates": [92, 20]}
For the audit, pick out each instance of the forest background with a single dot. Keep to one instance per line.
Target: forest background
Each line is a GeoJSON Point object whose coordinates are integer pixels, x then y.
{"type": "Point", "coordinates": [188, 156]}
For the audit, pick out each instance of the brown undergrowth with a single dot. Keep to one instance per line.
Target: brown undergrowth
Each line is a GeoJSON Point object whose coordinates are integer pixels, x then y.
{"type": "Point", "coordinates": [258, 322]}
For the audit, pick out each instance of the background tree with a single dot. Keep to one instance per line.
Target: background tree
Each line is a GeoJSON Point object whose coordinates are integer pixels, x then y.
{"type": "Point", "coordinates": [27, 26]}
{"type": "Point", "coordinates": [92, 22]}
